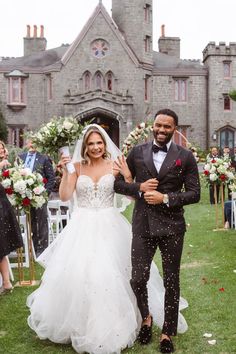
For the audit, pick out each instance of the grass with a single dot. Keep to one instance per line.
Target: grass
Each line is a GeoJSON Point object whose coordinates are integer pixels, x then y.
{"type": "Point", "coordinates": [207, 282]}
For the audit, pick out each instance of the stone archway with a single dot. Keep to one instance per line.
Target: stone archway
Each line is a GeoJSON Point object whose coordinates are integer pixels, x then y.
{"type": "Point", "coordinates": [107, 119]}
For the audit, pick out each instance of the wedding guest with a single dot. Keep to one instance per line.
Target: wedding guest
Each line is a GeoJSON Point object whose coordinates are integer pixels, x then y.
{"type": "Point", "coordinates": [3, 155]}
{"type": "Point", "coordinates": [214, 153]}
{"type": "Point", "coordinates": [10, 237]}
{"type": "Point", "coordinates": [85, 296]}
{"type": "Point", "coordinates": [42, 164]}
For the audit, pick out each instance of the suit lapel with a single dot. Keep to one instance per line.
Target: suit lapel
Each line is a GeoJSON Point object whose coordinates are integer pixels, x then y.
{"type": "Point", "coordinates": [148, 159]}
{"type": "Point", "coordinates": [36, 161]}
{"type": "Point", "coordinates": [169, 160]}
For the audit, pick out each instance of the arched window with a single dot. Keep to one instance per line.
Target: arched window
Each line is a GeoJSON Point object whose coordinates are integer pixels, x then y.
{"type": "Point", "coordinates": [109, 81]}
{"type": "Point", "coordinates": [98, 80]}
{"type": "Point", "coordinates": [87, 81]}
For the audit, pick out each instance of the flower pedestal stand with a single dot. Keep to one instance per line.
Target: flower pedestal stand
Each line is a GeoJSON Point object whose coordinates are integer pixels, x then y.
{"type": "Point", "coordinates": [220, 222]}
{"type": "Point", "coordinates": [31, 276]}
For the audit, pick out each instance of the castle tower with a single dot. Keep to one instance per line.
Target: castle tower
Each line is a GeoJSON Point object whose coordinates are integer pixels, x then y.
{"type": "Point", "coordinates": [134, 20]}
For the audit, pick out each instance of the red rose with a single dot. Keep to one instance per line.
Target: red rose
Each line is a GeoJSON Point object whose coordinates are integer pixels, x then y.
{"type": "Point", "coordinates": [206, 173]}
{"type": "Point", "coordinates": [6, 173]}
{"type": "Point", "coordinates": [9, 190]}
{"type": "Point", "coordinates": [222, 177]}
{"type": "Point", "coordinates": [26, 202]}
{"type": "Point", "coordinates": [222, 289]}
{"type": "Point", "coordinates": [45, 180]}
{"type": "Point", "coordinates": [178, 163]}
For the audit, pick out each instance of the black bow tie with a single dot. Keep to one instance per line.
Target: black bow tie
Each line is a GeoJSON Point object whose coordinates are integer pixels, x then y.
{"type": "Point", "coordinates": [156, 148]}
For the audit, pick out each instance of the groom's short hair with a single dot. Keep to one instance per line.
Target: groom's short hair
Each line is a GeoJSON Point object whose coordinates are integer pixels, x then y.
{"type": "Point", "coordinates": [168, 112]}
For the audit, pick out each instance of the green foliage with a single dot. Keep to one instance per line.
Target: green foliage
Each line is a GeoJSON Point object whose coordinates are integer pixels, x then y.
{"type": "Point", "coordinates": [232, 95]}
{"type": "Point", "coordinates": [207, 265]}
{"type": "Point", "coordinates": [13, 151]}
{"type": "Point", "coordinates": [3, 128]}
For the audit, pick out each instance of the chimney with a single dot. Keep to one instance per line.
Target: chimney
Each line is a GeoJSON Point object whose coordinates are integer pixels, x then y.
{"type": "Point", "coordinates": [169, 45]}
{"type": "Point", "coordinates": [41, 31]}
{"type": "Point", "coordinates": [35, 31]}
{"type": "Point", "coordinates": [28, 31]}
{"type": "Point", "coordinates": [34, 44]}
{"type": "Point", "coordinates": [162, 30]}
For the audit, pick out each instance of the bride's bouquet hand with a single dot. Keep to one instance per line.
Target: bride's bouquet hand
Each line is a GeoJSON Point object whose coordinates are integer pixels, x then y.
{"type": "Point", "coordinates": [64, 160]}
{"type": "Point", "coordinates": [120, 166]}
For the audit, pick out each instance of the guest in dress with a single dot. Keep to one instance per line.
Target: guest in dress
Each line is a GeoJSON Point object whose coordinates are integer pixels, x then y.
{"type": "Point", "coordinates": [10, 237]}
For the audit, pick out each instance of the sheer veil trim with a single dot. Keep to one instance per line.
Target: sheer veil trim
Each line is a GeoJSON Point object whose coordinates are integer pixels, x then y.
{"type": "Point", "coordinates": [111, 147]}
{"type": "Point", "coordinates": [121, 202]}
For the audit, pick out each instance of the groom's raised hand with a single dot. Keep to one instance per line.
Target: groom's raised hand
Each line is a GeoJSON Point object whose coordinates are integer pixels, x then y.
{"type": "Point", "coordinates": [149, 185]}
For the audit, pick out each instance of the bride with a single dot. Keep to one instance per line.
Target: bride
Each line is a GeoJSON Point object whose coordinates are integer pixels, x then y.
{"type": "Point", "coordinates": [85, 297]}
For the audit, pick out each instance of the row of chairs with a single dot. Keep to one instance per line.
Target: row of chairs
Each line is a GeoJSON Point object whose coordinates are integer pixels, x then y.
{"type": "Point", "coordinates": [58, 216]}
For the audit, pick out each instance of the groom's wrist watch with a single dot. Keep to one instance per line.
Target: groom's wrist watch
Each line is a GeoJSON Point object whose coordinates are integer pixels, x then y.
{"type": "Point", "coordinates": [165, 199]}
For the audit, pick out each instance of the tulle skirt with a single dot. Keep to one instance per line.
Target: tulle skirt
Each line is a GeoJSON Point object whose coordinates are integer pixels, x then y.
{"type": "Point", "coordinates": [85, 296]}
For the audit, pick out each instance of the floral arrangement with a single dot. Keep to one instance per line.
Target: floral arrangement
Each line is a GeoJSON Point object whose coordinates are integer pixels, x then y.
{"type": "Point", "coordinates": [141, 132]}
{"type": "Point", "coordinates": [24, 188]}
{"type": "Point", "coordinates": [218, 170]}
{"type": "Point", "coordinates": [59, 132]}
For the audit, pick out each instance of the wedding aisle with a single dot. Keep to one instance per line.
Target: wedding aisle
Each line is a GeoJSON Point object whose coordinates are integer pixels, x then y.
{"type": "Point", "coordinates": [208, 278]}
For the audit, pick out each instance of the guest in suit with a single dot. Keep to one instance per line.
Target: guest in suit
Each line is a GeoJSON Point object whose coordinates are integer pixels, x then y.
{"type": "Point", "coordinates": [166, 178]}
{"type": "Point", "coordinates": [214, 153]}
{"type": "Point", "coordinates": [43, 165]}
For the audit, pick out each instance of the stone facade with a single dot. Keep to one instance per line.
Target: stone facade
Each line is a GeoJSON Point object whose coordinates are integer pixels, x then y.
{"type": "Point", "coordinates": [111, 74]}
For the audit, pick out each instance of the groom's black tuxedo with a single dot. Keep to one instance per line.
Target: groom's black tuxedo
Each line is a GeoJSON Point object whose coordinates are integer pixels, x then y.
{"type": "Point", "coordinates": [160, 225]}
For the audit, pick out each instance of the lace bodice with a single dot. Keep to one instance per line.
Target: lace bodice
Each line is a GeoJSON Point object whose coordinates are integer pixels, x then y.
{"type": "Point", "coordinates": [95, 195]}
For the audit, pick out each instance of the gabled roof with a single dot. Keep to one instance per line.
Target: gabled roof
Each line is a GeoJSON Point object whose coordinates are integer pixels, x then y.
{"type": "Point", "coordinates": [35, 62]}
{"type": "Point", "coordinates": [100, 9]}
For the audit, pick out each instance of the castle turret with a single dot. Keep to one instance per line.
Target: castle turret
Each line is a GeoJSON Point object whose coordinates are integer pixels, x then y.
{"type": "Point", "coordinates": [134, 20]}
{"type": "Point", "coordinates": [34, 44]}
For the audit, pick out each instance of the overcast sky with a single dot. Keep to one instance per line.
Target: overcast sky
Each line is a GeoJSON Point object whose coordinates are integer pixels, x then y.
{"type": "Point", "coordinates": [195, 22]}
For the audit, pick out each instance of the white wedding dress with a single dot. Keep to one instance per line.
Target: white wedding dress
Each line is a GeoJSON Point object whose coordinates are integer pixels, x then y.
{"type": "Point", "coordinates": [85, 296]}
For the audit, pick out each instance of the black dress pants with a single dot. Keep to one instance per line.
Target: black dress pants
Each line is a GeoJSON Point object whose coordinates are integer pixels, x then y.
{"type": "Point", "coordinates": [39, 224]}
{"type": "Point", "coordinates": [143, 251]}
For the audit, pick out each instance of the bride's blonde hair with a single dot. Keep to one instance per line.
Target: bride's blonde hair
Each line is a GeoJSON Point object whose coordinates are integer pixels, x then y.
{"type": "Point", "coordinates": [84, 147]}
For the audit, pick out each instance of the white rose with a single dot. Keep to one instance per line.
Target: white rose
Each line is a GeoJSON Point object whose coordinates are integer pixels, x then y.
{"type": "Point", "coordinates": [67, 125]}
{"type": "Point", "coordinates": [30, 181]}
{"type": "Point", "coordinates": [38, 190]}
{"type": "Point", "coordinates": [6, 182]}
{"type": "Point", "coordinates": [212, 169]}
{"type": "Point", "coordinates": [230, 175]}
{"type": "Point", "coordinates": [213, 177]}
{"type": "Point", "coordinates": [20, 186]}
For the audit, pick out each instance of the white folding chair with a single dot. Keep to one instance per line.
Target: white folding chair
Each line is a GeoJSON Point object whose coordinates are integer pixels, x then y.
{"type": "Point", "coordinates": [233, 210]}
{"type": "Point", "coordinates": [54, 219]}
{"type": "Point", "coordinates": [64, 216]}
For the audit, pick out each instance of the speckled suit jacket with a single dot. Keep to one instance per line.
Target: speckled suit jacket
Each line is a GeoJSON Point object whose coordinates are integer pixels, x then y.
{"type": "Point", "coordinates": [178, 177]}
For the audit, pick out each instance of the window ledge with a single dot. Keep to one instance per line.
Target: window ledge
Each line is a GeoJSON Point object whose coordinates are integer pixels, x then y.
{"type": "Point", "coordinates": [16, 106]}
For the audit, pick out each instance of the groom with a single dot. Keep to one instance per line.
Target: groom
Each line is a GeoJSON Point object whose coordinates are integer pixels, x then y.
{"type": "Point", "coordinates": [165, 179]}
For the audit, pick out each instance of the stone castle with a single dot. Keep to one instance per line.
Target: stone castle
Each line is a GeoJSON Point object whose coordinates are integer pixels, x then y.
{"type": "Point", "coordinates": [112, 74]}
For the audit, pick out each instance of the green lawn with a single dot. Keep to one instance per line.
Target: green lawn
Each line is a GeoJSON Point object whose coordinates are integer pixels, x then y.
{"type": "Point", "coordinates": [208, 282]}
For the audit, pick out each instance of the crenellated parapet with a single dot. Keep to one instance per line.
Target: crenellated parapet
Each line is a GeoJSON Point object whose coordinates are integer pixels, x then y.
{"type": "Point", "coordinates": [221, 49]}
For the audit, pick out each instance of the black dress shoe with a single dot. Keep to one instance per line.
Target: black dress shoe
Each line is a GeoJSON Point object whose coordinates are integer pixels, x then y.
{"type": "Point", "coordinates": [166, 346]}
{"type": "Point", "coordinates": [145, 334]}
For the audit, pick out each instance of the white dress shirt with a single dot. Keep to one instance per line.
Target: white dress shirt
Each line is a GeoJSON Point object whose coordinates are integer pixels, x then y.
{"type": "Point", "coordinates": [159, 156]}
